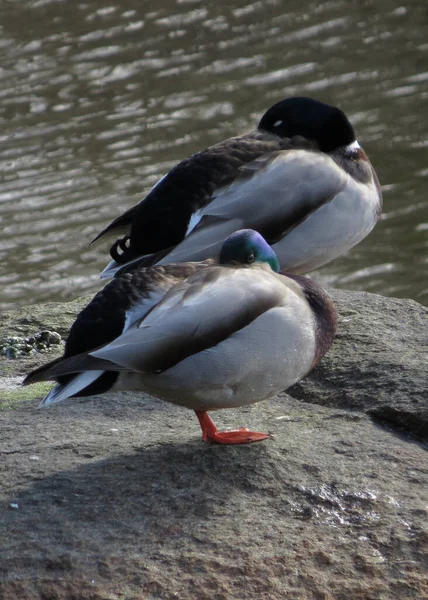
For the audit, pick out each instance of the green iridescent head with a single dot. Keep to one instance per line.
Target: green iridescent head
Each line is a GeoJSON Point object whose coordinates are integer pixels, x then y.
{"type": "Point", "coordinates": [247, 246]}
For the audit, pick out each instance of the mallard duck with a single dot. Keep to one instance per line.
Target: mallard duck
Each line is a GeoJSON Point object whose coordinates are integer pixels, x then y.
{"type": "Point", "coordinates": [201, 335]}
{"type": "Point", "coordinates": [301, 179]}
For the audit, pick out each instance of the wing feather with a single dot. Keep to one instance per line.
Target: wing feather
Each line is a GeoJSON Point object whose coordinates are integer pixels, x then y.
{"type": "Point", "coordinates": [197, 314]}
{"type": "Point", "coordinates": [272, 195]}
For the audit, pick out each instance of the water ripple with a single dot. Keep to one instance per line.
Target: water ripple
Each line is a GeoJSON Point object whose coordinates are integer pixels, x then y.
{"type": "Point", "coordinates": [98, 102]}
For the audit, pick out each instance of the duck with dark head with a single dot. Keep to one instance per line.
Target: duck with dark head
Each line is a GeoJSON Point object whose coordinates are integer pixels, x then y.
{"type": "Point", "coordinates": [300, 179]}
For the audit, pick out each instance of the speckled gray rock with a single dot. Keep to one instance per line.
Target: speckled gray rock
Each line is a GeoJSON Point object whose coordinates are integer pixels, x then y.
{"type": "Point", "coordinates": [117, 496]}
{"type": "Point", "coordinates": [378, 363]}
{"type": "Point", "coordinates": [32, 335]}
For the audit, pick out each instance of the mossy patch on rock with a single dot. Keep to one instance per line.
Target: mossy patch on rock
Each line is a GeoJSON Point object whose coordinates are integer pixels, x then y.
{"type": "Point", "coordinates": [12, 393]}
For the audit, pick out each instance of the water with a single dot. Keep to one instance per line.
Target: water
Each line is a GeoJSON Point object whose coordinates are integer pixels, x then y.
{"type": "Point", "coordinates": [100, 99]}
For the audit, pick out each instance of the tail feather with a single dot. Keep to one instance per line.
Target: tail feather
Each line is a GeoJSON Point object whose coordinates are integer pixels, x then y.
{"type": "Point", "coordinates": [39, 373]}
{"type": "Point", "coordinates": [80, 363]}
{"type": "Point", "coordinates": [113, 269]}
{"type": "Point", "coordinates": [75, 385]}
{"type": "Point", "coordinates": [121, 224]}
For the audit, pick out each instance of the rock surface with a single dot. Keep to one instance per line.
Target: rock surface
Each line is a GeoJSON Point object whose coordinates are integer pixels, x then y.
{"type": "Point", "coordinates": [378, 363]}
{"type": "Point", "coordinates": [116, 497]}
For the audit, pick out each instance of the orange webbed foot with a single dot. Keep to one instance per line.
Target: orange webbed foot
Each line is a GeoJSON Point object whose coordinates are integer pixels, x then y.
{"type": "Point", "coordinates": [211, 434]}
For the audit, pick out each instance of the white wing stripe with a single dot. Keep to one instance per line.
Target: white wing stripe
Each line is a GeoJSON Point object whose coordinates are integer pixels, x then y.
{"type": "Point", "coordinates": [78, 383]}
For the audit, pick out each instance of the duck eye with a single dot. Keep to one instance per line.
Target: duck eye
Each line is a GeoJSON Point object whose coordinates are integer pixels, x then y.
{"type": "Point", "coordinates": [251, 258]}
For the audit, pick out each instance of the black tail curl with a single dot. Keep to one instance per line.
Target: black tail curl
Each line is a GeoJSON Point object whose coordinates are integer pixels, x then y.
{"type": "Point", "coordinates": [121, 251]}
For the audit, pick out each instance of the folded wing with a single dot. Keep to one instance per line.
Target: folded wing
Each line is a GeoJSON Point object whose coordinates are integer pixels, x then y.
{"type": "Point", "coordinates": [200, 313]}
{"type": "Point", "coordinates": [272, 194]}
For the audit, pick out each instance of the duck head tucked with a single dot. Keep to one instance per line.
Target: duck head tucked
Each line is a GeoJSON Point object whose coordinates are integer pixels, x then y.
{"type": "Point", "coordinates": [202, 335]}
{"type": "Point", "coordinates": [300, 179]}
{"type": "Point", "coordinates": [246, 247]}
{"type": "Point", "coordinates": [311, 119]}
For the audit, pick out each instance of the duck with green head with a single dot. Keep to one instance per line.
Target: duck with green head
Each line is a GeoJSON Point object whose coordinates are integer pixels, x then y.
{"type": "Point", "coordinates": [201, 335]}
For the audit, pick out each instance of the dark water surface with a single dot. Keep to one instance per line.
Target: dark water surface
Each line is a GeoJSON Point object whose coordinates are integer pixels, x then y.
{"type": "Point", "coordinates": [99, 99]}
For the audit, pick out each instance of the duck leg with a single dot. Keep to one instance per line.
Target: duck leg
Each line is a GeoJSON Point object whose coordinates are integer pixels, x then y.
{"type": "Point", "coordinates": [235, 436]}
